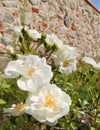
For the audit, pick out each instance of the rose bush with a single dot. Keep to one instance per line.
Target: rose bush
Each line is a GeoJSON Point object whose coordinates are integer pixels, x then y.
{"type": "Point", "coordinates": [52, 82]}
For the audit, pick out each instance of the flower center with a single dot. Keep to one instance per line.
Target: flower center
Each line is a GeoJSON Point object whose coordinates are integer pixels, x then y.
{"type": "Point", "coordinates": [67, 62]}
{"type": "Point", "coordinates": [50, 101]}
{"type": "Point", "coordinates": [30, 72]}
{"type": "Point", "coordinates": [19, 107]}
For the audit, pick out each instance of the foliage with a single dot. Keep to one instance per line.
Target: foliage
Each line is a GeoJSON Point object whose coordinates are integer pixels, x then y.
{"type": "Point", "coordinates": [83, 86]}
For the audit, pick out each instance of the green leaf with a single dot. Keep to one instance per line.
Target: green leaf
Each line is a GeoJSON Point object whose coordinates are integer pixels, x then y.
{"type": "Point", "coordinates": [92, 128]}
{"type": "Point", "coordinates": [98, 128]}
{"type": "Point", "coordinates": [20, 39]}
{"type": "Point", "coordinates": [2, 101]}
{"type": "Point", "coordinates": [5, 85]}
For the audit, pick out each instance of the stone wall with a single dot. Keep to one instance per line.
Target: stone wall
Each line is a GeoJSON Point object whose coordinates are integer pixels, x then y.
{"type": "Point", "coordinates": [76, 22]}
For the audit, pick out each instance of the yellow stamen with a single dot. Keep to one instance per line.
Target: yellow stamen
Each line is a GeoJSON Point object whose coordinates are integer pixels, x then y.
{"type": "Point", "coordinates": [67, 62]}
{"type": "Point", "coordinates": [50, 101]}
{"type": "Point", "coordinates": [19, 107]}
{"type": "Point", "coordinates": [30, 72]}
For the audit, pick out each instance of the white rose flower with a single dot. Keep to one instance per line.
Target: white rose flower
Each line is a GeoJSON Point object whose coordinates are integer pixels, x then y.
{"type": "Point", "coordinates": [33, 70]}
{"type": "Point", "coordinates": [49, 104]}
{"type": "Point", "coordinates": [34, 34]}
{"type": "Point", "coordinates": [66, 48]}
{"type": "Point", "coordinates": [16, 110]}
{"type": "Point", "coordinates": [17, 29]}
{"type": "Point", "coordinates": [91, 61]}
{"type": "Point", "coordinates": [66, 60]}
{"type": "Point", "coordinates": [53, 40]}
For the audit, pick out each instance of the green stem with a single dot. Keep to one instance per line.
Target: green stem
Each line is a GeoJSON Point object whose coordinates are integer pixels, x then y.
{"type": "Point", "coordinates": [48, 127]}
{"type": "Point", "coordinates": [95, 119]}
{"type": "Point", "coordinates": [38, 45]}
{"type": "Point", "coordinates": [23, 12]}
{"type": "Point", "coordinates": [49, 55]}
{"type": "Point", "coordinates": [14, 96]}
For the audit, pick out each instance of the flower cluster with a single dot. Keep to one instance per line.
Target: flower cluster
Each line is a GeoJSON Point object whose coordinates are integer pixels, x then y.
{"type": "Point", "coordinates": [37, 58]}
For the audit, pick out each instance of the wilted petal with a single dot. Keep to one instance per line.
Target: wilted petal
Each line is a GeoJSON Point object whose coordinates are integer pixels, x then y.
{"type": "Point", "coordinates": [16, 110]}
